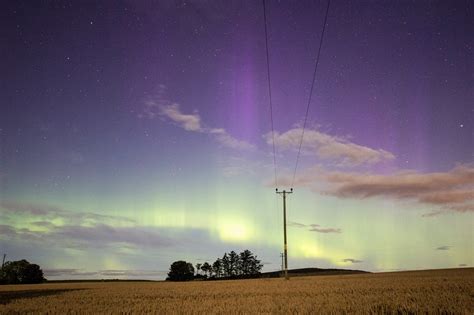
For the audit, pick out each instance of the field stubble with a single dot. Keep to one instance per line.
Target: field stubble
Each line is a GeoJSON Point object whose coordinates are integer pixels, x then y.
{"type": "Point", "coordinates": [437, 291]}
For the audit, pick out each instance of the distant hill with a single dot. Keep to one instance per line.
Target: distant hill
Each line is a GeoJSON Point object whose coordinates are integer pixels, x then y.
{"type": "Point", "coordinates": [273, 274]}
{"type": "Point", "coordinates": [311, 272]}
{"type": "Point", "coordinates": [98, 280]}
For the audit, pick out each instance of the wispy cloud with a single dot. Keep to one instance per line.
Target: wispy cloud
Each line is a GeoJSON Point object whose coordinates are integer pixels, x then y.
{"type": "Point", "coordinates": [329, 147]}
{"type": "Point", "coordinates": [82, 230]}
{"type": "Point", "coordinates": [133, 273]}
{"type": "Point", "coordinates": [314, 227]}
{"type": "Point", "coordinates": [325, 230]}
{"type": "Point", "coordinates": [189, 122]}
{"type": "Point", "coordinates": [192, 122]}
{"type": "Point", "coordinates": [443, 247]}
{"type": "Point", "coordinates": [45, 224]}
{"type": "Point", "coordinates": [97, 236]}
{"type": "Point", "coordinates": [227, 140]}
{"type": "Point", "coordinates": [153, 103]}
{"type": "Point", "coordinates": [45, 214]}
{"type": "Point", "coordinates": [296, 224]}
{"type": "Point", "coordinates": [68, 273]}
{"type": "Point", "coordinates": [157, 105]}
{"type": "Point", "coordinates": [352, 260]}
{"type": "Point", "coordinates": [234, 166]}
{"type": "Point", "coordinates": [7, 230]}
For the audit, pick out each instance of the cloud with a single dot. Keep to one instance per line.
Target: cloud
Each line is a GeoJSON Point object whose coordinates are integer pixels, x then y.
{"type": "Point", "coordinates": [97, 236]}
{"type": "Point", "coordinates": [296, 224]}
{"type": "Point", "coordinates": [152, 103]}
{"type": "Point", "coordinates": [452, 190]}
{"type": "Point", "coordinates": [30, 209]}
{"type": "Point", "coordinates": [67, 273]}
{"type": "Point", "coordinates": [104, 234]}
{"type": "Point", "coordinates": [307, 178]}
{"type": "Point", "coordinates": [314, 227]}
{"type": "Point", "coordinates": [80, 273]}
{"type": "Point", "coordinates": [44, 224]}
{"type": "Point", "coordinates": [329, 147]}
{"type": "Point", "coordinates": [444, 248]}
{"type": "Point", "coordinates": [462, 265]}
{"type": "Point", "coordinates": [456, 196]}
{"type": "Point", "coordinates": [325, 230]}
{"type": "Point", "coordinates": [352, 260]}
{"type": "Point", "coordinates": [193, 123]}
{"type": "Point", "coordinates": [189, 122]}
{"type": "Point", "coordinates": [234, 166]}
{"type": "Point", "coordinates": [84, 231]}
{"type": "Point", "coordinates": [46, 214]}
{"type": "Point", "coordinates": [228, 141]}
{"type": "Point", "coordinates": [406, 184]}
{"type": "Point", "coordinates": [158, 105]}
{"type": "Point", "coordinates": [7, 230]}
{"type": "Point", "coordinates": [132, 273]}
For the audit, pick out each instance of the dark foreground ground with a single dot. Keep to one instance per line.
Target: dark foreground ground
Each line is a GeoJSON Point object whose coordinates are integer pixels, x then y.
{"type": "Point", "coordinates": [431, 291]}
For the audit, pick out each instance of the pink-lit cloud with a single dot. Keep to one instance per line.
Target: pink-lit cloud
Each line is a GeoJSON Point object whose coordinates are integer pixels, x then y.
{"type": "Point", "coordinates": [329, 147]}
{"type": "Point", "coordinates": [451, 191]}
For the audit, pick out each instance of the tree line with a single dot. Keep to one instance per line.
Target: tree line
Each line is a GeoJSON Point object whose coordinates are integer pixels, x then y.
{"type": "Point", "coordinates": [21, 272]}
{"type": "Point", "coordinates": [230, 266]}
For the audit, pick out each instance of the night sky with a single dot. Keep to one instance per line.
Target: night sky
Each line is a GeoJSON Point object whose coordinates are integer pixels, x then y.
{"type": "Point", "coordinates": [137, 133]}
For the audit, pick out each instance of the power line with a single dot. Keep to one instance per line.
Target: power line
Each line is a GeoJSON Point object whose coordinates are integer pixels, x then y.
{"type": "Point", "coordinates": [284, 192]}
{"type": "Point", "coordinates": [311, 91]}
{"type": "Point", "coordinates": [270, 91]}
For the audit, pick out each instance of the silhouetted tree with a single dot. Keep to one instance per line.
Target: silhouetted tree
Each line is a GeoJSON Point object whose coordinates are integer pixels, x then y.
{"type": "Point", "coordinates": [226, 265]}
{"type": "Point", "coordinates": [217, 267]}
{"type": "Point", "coordinates": [198, 267]}
{"type": "Point", "coordinates": [21, 271]}
{"type": "Point", "coordinates": [233, 263]}
{"type": "Point", "coordinates": [181, 271]}
{"type": "Point", "coordinates": [246, 259]}
{"type": "Point", "coordinates": [206, 268]}
{"type": "Point", "coordinates": [255, 266]}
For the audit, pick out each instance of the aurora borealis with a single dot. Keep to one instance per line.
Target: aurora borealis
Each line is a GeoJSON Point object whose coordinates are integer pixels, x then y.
{"type": "Point", "coordinates": [137, 133]}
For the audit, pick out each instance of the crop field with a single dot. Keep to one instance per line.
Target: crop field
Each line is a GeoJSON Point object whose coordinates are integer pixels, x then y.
{"type": "Point", "coordinates": [437, 291]}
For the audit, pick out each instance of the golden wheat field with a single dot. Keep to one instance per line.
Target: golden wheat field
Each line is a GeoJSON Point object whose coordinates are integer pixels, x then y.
{"type": "Point", "coordinates": [437, 291]}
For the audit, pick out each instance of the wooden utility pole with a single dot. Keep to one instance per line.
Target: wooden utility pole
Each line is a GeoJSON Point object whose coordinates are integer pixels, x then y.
{"type": "Point", "coordinates": [285, 247]}
{"type": "Point", "coordinates": [282, 262]}
{"type": "Point", "coordinates": [3, 262]}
